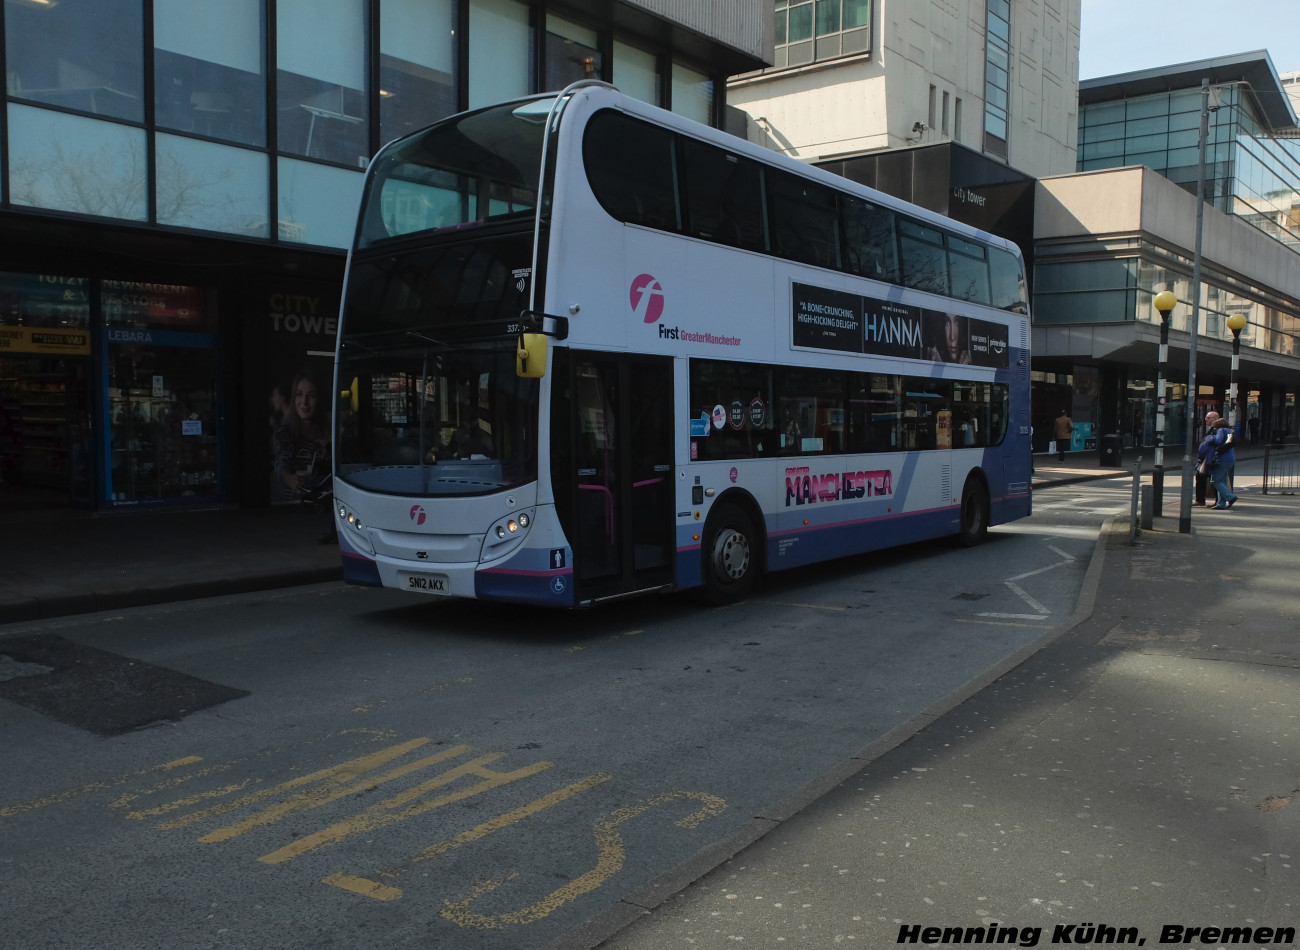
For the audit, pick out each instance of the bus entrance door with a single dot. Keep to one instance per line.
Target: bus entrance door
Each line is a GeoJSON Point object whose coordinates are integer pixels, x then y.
{"type": "Point", "coordinates": [623, 454]}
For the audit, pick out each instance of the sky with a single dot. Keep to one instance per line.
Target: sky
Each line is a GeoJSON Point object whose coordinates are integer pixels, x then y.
{"type": "Point", "coordinates": [1120, 36]}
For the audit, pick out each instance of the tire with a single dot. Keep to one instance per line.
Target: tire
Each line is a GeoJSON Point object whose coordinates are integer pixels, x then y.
{"type": "Point", "coordinates": [730, 565]}
{"type": "Point", "coordinates": [974, 514]}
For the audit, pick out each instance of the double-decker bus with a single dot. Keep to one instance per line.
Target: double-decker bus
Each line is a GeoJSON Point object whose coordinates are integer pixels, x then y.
{"type": "Point", "coordinates": [590, 349]}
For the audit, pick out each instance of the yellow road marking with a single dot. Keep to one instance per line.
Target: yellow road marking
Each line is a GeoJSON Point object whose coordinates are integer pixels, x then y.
{"type": "Point", "coordinates": [781, 603]}
{"type": "Point", "coordinates": [610, 858]}
{"type": "Point", "coordinates": [332, 784]}
{"type": "Point", "coordinates": [10, 810]}
{"type": "Point", "coordinates": [370, 888]}
{"type": "Point", "coordinates": [359, 885]}
{"type": "Point", "coordinates": [403, 806]}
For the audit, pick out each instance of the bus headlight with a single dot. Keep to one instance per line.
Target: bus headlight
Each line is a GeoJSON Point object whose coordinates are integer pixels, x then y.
{"type": "Point", "coordinates": [505, 534]}
{"type": "Point", "coordinates": [354, 531]}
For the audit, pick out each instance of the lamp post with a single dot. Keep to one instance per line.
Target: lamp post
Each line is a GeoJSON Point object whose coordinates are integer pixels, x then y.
{"type": "Point", "coordinates": [1236, 323]}
{"type": "Point", "coordinates": [1164, 304]}
{"type": "Point", "coordinates": [1194, 328]}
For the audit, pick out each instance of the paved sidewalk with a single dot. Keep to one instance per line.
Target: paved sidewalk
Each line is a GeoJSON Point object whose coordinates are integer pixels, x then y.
{"type": "Point", "coordinates": [1139, 771]}
{"type": "Point", "coordinates": [58, 562]}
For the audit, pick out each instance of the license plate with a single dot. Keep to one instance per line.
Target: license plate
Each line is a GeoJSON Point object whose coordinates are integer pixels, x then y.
{"type": "Point", "coordinates": [427, 583]}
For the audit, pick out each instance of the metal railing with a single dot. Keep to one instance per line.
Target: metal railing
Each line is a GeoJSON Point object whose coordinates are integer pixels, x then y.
{"type": "Point", "coordinates": [1282, 469]}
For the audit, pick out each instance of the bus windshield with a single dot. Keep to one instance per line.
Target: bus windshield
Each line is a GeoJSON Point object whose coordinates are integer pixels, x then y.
{"type": "Point", "coordinates": [431, 403]}
{"type": "Point", "coordinates": [468, 170]}
{"type": "Point", "coordinates": [423, 418]}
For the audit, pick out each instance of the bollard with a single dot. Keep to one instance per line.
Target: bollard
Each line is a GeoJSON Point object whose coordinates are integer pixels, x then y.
{"type": "Point", "coordinates": [1133, 507]}
{"type": "Point", "coordinates": [1148, 506]}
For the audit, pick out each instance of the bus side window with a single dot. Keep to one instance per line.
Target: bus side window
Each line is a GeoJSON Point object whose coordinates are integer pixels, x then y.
{"type": "Point", "coordinates": [631, 169]}
{"type": "Point", "coordinates": [968, 269]}
{"type": "Point", "coordinates": [1007, 284]}
{"type": "Point", "coordinates": [724, 197]}
{"type": "Point", "coordinates": [925, 263]}
{"type": "Point", "coordinates": [804, 226]}
{"type": "Point", "coordinates": [870, 247]}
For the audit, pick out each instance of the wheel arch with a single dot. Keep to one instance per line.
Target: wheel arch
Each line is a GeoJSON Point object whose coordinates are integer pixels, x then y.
{"type": "Point", "coordinates": [746, 502]}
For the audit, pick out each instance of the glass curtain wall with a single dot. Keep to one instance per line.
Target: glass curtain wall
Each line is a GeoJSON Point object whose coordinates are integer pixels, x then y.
{"type": "Point", "coordinates": [417, 65]}
{"type": "Point", "coordinates": [1248, 172]}
{"type": "Point", "coordinates": [224, 160]}
{"type": "Point", "coordinates": [502, 58]}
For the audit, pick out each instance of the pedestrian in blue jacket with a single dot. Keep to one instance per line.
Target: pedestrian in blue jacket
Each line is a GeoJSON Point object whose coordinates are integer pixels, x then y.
{"type": "Point", "coordinates": [1223, 460]}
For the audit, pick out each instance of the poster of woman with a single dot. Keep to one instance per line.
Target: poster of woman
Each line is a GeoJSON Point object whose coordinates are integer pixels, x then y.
{"type": "Point", "coordinates": [300, 436]}
{"type": "Point", "coordinates": [947, 338]}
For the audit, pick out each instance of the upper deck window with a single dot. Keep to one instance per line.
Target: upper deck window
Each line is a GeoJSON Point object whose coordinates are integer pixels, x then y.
{"type": "Point", "coordinates": [468, 170]}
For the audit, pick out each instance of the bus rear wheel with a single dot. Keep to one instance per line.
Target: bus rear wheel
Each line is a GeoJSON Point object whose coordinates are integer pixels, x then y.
{"type": "Point", "coordinates": [730, 555]}
{"type": "Point", "coordinates": [974, 513]}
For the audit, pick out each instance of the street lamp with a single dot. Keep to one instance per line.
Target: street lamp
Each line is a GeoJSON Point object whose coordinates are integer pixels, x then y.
{"type": "Point", "coordinates": [1164, 304]}
{"type": "Point", "coordinates": [1194, 326]}
{"type": "Point", "coordinates": [1236, 323]}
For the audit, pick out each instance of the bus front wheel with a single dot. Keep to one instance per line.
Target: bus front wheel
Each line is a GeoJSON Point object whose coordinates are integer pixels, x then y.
{"type": "Point", "coordinates": [974, 513]}
{"type": "Point", "coordinates": [730, 555]}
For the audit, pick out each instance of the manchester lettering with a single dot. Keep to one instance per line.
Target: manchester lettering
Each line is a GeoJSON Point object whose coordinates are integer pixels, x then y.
{"type": "Point", "coordinates": [803, 487]}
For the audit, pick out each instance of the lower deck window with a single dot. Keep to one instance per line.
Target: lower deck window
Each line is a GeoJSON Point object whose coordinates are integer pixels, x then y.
{"type": "Point", "coordinates": [745, 410]}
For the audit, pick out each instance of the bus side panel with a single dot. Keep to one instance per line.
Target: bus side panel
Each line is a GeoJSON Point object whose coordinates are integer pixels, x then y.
{"type": "Point", "coordinates": [1009, 467]}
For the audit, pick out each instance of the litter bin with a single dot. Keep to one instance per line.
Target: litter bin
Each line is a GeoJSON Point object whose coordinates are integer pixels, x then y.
{"type": "Point", "coordinates": [1279, 436]}
{"type": "Point", "coordinates": [1112, 450]}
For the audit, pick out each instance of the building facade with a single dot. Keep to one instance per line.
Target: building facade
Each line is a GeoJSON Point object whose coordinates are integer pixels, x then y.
{"type": "Point", "coordinates": [977, 112]}
{"type": "Point", "coordinates": [1124, 228]}
{"type": "Point", "coordinates": [858, 76]}
{"type": "Point", "coordinates": [178, 184]}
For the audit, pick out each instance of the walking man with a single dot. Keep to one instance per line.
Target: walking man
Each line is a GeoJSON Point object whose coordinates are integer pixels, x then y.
{"type": "Point", "coordinates": [1064, 433]}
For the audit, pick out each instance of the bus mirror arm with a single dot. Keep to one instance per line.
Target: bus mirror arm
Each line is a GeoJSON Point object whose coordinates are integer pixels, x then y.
{"type": "Point", "coordinates": [534, 322]}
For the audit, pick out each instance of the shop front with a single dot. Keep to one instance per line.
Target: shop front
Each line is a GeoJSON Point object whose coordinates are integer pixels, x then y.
{"type": "Point", "coordinates": [45, 391]}
{"type": "Point", "coordinates": [108, 394]}
{"type": "Point", "coordinates": [162, 441]}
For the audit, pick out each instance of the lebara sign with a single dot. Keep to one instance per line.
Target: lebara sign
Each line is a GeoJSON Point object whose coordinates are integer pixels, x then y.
{"type": "Point", "coordinates": [834, 320]}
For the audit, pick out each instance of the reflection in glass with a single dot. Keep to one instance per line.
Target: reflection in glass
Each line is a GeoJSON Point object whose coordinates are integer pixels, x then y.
{"type": "Point", "coordinates": [417, 65]}
{"type": "Point", "coordinates": [213, 187]}
{"type": "Point", "coordinates": [692, 94]}
{"type": "Point", "coordinates": [636, 73]}
{"type": "Point", "coordinates": [318, 203]}
{"type": "Point", "coordinates": [69, 163]}
{"type": "Point", "coordinates": [208, 66]}
{"type": "Point", "coordinates": [572, 53]}
{"type": "Point", "coordinates": [77, 54]}
{"type": "Point", "coordinates": [501, 57]}
{"type": "Point", "coordinates": [321, 48]}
